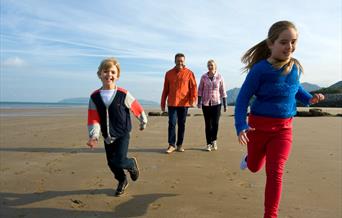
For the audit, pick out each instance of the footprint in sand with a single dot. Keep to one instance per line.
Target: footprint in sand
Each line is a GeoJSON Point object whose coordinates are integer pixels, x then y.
{"type": "Point", "coordinates": [245, 185]}
{"type": "Point", "coordinates": [19, 172]}
{"type": "Point", "coordinates": [155, 206]}
{"type": "Point", "coordinates": [77, 203]}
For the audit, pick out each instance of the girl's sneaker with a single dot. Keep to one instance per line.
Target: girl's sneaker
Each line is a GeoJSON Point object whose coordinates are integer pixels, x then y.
{"type": "Point", "coordinates": [243, 163]}
{"type": "Point", "coordinates": [208, 147]}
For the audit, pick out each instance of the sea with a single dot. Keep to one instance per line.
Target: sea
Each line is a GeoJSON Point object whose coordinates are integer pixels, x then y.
{"type": "Point", "coordinates": [36, 109]}
{"type": "Point", "coordinates": [39, 105]}
{"type": "Point", "coordinates": [28, 109]}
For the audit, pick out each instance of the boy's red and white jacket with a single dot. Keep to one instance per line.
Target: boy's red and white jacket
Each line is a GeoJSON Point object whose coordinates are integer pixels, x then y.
{"type": "Point", "coordinates": [113, 120]}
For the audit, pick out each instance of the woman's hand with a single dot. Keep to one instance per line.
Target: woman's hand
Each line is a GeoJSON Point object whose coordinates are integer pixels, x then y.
{"type": "Point", "coordinates": [243, 139]}
{"type": "Point", "coordinates": [317, 98]}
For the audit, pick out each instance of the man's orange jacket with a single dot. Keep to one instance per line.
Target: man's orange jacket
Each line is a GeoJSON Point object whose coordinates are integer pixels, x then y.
{"type": "Point", "coordinates": [180, 88]}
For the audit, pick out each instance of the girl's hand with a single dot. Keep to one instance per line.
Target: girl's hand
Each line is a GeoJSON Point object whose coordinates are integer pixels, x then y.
{"type": "Point", "coordinates": [317, 98]}
{"type": "Point", "coordinates": [92, 142]}
{"type": "Point", "coordinates": [243, 139]}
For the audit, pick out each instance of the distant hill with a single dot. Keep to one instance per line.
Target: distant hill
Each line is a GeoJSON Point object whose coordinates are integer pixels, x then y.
{"type": "Point", "coordinates": [337, 85]}
{"type": "Point", "coordinates": [310, 87]}
{"type": "Point", "coordinates": [232, 95]}
{"type": "Point", "coordinates": [333, 94]}
{"type": "Point", "coordinates": [86, 101]}
{"type": "Point", "coordinates": [74, 101]}
{"type": "Point", "coordinates": [333, 89]}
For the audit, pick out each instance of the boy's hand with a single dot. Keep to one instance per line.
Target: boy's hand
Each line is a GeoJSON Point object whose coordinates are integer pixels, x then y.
{"type": "Point", "coordinates": [92, 142]}
{"type": "Point", "coordinates": [142, 126]}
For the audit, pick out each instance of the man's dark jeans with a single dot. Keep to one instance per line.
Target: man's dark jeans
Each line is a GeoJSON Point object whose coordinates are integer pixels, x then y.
{"type": "Point", "coordinates": [176, 115]}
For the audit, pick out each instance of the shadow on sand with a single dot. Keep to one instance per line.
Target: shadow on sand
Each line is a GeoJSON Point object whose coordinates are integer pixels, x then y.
{"type": "Point", "coordinates": [75, 150]}
{"type": "Point", "coordinates": [16, 205]}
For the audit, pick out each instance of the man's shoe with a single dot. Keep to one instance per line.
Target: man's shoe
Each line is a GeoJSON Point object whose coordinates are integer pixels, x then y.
{"type": "Point", "coordinates": [243, 163]}
{"type": "Point", "coordinates": [208, 147]}
{"type": "Point", "coordinates": [134, 172]}
{"type": "Point", "coordinates": [120, 190]}
{"type": "Point", "coordinates": [180, 148]}
{"type": "Point", "coordinates": [170, 149]}
{"type": "Point", "coordinates": [214, 145]}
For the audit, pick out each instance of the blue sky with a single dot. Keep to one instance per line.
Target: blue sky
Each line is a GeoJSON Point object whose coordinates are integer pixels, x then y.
{"type": "Point", "coordinates": [50, 50]}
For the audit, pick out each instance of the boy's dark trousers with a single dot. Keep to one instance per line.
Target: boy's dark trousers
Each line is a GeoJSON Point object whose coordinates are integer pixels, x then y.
{"type": "Point", "coordinates": [211, 117]}
{"type": "Point", "coordinates": [117, 160]}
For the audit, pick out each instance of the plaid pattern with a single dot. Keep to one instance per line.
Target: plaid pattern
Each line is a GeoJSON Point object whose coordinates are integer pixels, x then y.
{"type": "Point", "coordinates": [212, 91]}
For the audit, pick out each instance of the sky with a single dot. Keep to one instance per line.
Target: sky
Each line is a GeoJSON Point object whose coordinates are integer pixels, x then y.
{"type": "Point", "coordinates": [50, 50]}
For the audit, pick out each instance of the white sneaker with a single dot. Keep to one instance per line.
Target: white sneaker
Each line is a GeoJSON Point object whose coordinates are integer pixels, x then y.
{"type": "Point", "coordinates": [243, 163]}
{"type": "Point", "coordinates": [214, 145]}
{"type": "Point", "coordinates": [208, 147]}
{"type": "Point", "coordinates": [170, 149]}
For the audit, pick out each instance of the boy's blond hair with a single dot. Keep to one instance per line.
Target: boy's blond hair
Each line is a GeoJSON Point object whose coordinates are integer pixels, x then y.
{"type": "Point", "coordinates": [108, 63]}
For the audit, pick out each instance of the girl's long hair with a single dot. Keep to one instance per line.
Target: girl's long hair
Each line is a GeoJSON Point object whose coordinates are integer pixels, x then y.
{"type": "Point", "coordinates": [261, 51]}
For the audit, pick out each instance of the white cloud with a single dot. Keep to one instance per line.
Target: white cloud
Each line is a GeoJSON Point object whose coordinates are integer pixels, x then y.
{"type": "Point", "coordinates": [14, 62]}
{"type": "Point", "coordinates": [67, 39]}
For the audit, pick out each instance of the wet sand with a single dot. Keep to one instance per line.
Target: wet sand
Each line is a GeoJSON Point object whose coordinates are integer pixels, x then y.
{"type": "Point", "coordinates": [46, 170]}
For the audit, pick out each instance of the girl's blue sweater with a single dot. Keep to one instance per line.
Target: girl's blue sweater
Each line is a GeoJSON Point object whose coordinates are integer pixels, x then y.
{"type": "Point", "coordinates": [275, 94]}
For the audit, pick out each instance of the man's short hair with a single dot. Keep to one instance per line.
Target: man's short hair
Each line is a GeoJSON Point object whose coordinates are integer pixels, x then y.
{"type": "Point", "coordinates": [179, 55]}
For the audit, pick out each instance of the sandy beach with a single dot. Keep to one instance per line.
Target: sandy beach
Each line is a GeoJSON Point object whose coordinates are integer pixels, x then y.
{"type": "Point", "coordinates": [48, 171]}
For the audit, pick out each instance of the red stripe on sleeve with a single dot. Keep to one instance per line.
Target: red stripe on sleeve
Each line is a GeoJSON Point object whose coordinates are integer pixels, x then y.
{"type": "Point", "coordinates": [93, 117]}
{"type": "Point", "coordinates": [136, 108]}
{"type": "Point", "coordinates": [122, 90]}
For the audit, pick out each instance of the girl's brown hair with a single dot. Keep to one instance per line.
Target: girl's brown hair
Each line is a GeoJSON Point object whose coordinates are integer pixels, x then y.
{"type": "Point", "coordinates": [261, 51]}
{"type": "Point", "coordinates": [108, 63]}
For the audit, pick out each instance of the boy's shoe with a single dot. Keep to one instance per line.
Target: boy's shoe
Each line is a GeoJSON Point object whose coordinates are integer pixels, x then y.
{"type": "Point", "coordinates": [170, 149]}
{"type": "Point", "coordinates": [180, 148]}
{"type": "Point", "coordinates": [134, 172]}
{"type": "Point", "coordinates": [208, 147]}
{"type": "Point", "coordinates": [243, 163]}
{"type": "Point", "coordinates": [214, 145]}
{"type": "Point", "coordinates": [120, 190]}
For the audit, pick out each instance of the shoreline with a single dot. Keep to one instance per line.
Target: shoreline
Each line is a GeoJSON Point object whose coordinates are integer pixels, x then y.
{"type": "Point", "coordinates": [9, 112]}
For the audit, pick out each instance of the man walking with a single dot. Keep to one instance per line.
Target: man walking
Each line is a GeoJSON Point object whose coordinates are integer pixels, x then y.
{"type": "Point", "coordinates": [180, 90]}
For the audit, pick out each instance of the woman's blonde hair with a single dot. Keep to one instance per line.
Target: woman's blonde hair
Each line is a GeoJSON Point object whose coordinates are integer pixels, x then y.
{"type": "Point", "coordinates": [212, 61]}
{"type": "Point", "coordinates": [108, 63]}
{"type": "Point", "coordinates": [261, 51]}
